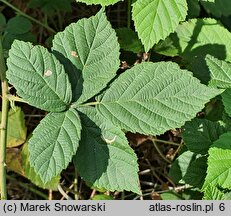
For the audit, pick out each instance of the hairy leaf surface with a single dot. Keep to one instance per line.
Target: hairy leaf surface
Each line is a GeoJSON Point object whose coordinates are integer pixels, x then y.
{"type": "Point", "coordinates": [156, 19]}
{"type": "Point", "coordinates": [152, 98]}
{"type": "Point", "coordinates": [93, 52]}
{"type": "Point", "coordinates": [104, 157]}
{"type": "Point", "coordinates": [54, 142]}
{"type": "Point", "coordinates": [38, 77]}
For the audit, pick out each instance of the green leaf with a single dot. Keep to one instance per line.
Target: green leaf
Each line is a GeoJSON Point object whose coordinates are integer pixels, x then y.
{"type": "Point", "coordinates": [167, 47]}
{"type": "Point", "coordinates": [189, 168]}
{"type": "Point", "coordinates": [226, 121]}
{"type": "Point", "coordinates": [152, 98]}
{"type": "Point", "coordinates": [2, 22]}
{"type": "Point", "coordinates": [156, 19]}
{"type": "Point", "coordinates": [220, 72]}
{"type": "Point", "coordinates": [217, 7]}
{"type": "Point", "coordinates": [213, 193]}
{"type": "Point", "coordinates": [214, 109]}
{"type": "Point", "coordinates": [38, 77]}
{"type": "Point", "coordinates": [18, 25]}
{"type": "Point", "coordinates": [10, 38]}
{"type": "Point", "coordinates": [196, 172]}
{"type": "Point", "coordinates": [199, 37]}
{"type": "Point", "coordinates": [104, 157]}
{"type": "Point", "coordinates": [129, 40]}
{"type": "Point", "coordinates": [50, 6]}
{"type": "Point", "coordinates": [101, 2]}
{"type": "Point", "coordinates": [199, 134]}
{"type": "Point", "coordinates": [180, 166]}
{"type": "Point", "coordinates": [219, 163]}
{"type": "Point", "coordinates": [195, 39]}
{"type": "Point", "coordinates": [193, 8]}
{"type": "Point", "coordinates": [14, 160]}
{"type": "Point", "coordinates": [16, 128]}
{"type": "Point", "coordinates": [32, 175]}
{"type": "Point", "coordinates": [171, 196]}
{"type": "Point", "coordinates": [54, 142]}
{"type": "Point", "coordinates": [192, 194]}
{"type": "Point", "coordinates": [93, 52]}
{"type": "Point", "coordinates": [102, 197]}
{"type": "Point", "coordinates": [226, 99]}
{"type": "Point", "coordinates": [227, 196]}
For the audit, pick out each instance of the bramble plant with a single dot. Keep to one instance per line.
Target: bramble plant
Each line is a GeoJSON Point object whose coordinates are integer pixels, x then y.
{"type": "Point", "coordinates": [91, 106]}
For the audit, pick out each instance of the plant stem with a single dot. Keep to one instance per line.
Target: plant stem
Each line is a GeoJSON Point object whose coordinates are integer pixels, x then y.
{"type": "Point", "coordinates": [5, 107]}
{"type": "Point", "coordinates": [160, 153]}
{"type": "Point", "coordinates": [164, 141]}
{"type": "Point", "coordinates": [129, 14]}
{"type": "Point", "coordinates": [76, 185]}
{"type": "Point", "coordinates": [63, 193]}
{"type": "Point", "coordinates": [28, 16]}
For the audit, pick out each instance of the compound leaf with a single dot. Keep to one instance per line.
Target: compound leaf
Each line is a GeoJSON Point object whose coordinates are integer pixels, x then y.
{"type": "Point", "coordinates": [93, 51]}
{"type": "Point", "coordinates": [54, 142]}
{"type": "Point", "coordinates": [219, 163]}
{"type": "Point", "coordinates": [199, 134]}
{"type": "Point", "coordinates": [38, 77]}
{"type": "Point", "coordinates": [156, 19]}
{"type": "Point", "coordinates": [104, 158]}
{"type": "Point", "coordinates": [152, 98]}
{"type": "Point", "coordinates": [101, 2]}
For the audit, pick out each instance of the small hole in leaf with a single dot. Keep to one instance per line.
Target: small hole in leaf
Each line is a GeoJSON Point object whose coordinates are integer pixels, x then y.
{"type": "Point", "coordinates": [48, 73]}
{"type": "Point", "coordinates": [109, 141]}
{"type": "Point", "coordinates": [74, 54]}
